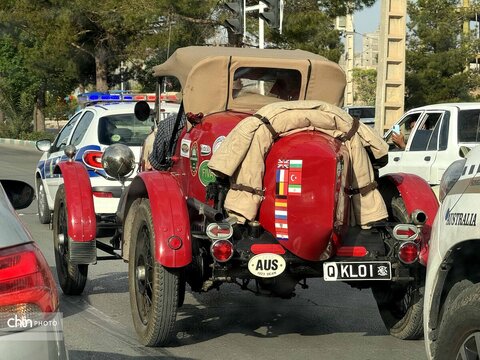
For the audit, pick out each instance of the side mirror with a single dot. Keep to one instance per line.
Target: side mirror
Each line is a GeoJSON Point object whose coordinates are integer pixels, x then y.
{"type": "Point", "coordinates": [142, 110]}
{"type": "Point", "coordinates": [43, 145]}
{"type": "Point", "coordinates": [463, 151]}
{"type": "Point", "coordinates": [19, 193]}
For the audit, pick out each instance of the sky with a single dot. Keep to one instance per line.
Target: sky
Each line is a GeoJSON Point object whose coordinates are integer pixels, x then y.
{"type": "Point", "coordinates": [366, 21]}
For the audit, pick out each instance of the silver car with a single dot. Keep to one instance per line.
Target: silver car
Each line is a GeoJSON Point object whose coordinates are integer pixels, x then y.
{"type": "Point", "coordinates": [30, 326]}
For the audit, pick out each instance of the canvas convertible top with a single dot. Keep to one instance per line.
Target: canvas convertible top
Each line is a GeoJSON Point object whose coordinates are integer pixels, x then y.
{"type": "Point", "coordinates": [207, 75]}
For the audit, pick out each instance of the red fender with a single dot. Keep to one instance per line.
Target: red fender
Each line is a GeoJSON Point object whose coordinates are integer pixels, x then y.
{"type": "Point", "coordinates": [169, 213]}
{"type": "Point", "coordinates": [417, 194]}
{"type": "Point", "coordinates": [82, 223]}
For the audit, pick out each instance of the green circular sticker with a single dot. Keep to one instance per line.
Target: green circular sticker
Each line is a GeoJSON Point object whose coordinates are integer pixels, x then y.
{"type": "Point", "coordinates": [115, 137]}
{"type": "Point", "coordinates": [205, 175]}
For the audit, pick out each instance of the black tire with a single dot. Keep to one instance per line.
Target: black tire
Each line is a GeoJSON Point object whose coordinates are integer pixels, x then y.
{"type": "Point", "coordinates": [44, 214]}
{"type": "Point", "coordinates": [72, 277]}
{"type": "Point", "coordinates": [155, 291]}
{"type": "Point", "coordinates": [401, 305]}
{"type": "Point", "coordinates": [460, 327]}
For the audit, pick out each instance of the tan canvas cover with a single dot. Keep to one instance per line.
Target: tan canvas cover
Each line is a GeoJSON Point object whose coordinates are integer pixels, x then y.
{"type": "Point", "coordinates": [242, 154]}
{"type": "Point", "coordinates": [206, 75]}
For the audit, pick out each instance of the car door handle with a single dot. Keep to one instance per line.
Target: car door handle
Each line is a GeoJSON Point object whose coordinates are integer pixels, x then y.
{"type": "Point", "coordinates": [396, 158]}
{"type": "Point", "coordinates": [427, 158]}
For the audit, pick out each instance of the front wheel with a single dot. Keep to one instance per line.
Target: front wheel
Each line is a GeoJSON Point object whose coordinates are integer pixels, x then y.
{"type": "Point", "coordinates": [401, 305]}
{"type": "Point", "coordinates": [72, 277]}
{"type": "Point", "coordinates": [156, 292]}
{"type": "Point", "coordinates": [459, 334]}
{"type": "Point", "coordinates": [44, 214]}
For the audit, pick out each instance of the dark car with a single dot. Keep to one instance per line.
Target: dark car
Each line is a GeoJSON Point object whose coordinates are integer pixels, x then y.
{"type": "Point", "coordinates": [30, 326]}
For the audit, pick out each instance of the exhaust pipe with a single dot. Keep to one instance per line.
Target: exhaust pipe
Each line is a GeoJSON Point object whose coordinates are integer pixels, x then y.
{"type": "Point", "coordinates": [204, 209]}
{"type": "Point", "coordinates": [418, 217]}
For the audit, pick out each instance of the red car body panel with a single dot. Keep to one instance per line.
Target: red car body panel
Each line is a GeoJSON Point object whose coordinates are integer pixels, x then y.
{"type": "Point", "coordinates": [310, 214]}
{"type": "Point", "coordinates": [210, 131]}
{"type": "Point", "coordinates": [311, 217]}
{"type": "Point", "coordinates": [82, 224]}
{"type": "Point", "coordinates": [417, 194]}
{"type": "Point", "coordinates": [170, 217]}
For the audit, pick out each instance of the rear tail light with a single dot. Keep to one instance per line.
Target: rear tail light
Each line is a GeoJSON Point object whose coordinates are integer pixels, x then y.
{"type": "Point", "coordinates": [408, 252]}
{"type": "Point", "coordinates": [355, 251]}
{"type": "Point", "coordinates": [93, 159]}
{"type": "Point", "coordinates": [222, 250]}
{"type": "Point", "coordinates": [27, 288]}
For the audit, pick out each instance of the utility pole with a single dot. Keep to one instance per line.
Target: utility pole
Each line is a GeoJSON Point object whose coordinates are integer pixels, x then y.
{"type": "Point", "coordinates": [390, 98]}
{"type": "Point", "coordinates": [349, 57]}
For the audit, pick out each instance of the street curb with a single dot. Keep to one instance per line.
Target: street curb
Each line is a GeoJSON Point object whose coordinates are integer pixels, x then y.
{"type": "Point", "coordinates": [18, 142]}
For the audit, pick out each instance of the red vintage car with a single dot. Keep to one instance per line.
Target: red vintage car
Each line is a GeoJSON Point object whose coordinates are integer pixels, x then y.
{"type": "Point", "coordinates": [261, 180]}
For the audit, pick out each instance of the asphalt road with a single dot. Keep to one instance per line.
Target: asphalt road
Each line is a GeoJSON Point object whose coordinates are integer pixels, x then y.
{"type": "Point", "coordinates": [326, 321]}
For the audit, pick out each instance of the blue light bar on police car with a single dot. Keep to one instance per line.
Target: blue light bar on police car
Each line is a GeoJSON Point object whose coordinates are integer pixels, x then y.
{"type": "Point", "coordinates": [106, 97]}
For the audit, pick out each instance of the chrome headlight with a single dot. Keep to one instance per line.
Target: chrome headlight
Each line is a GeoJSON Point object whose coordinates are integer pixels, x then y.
{"type": "Point", "coordinates": [118, 161]}
{"type": "Point", "coordinates": [450, 177]}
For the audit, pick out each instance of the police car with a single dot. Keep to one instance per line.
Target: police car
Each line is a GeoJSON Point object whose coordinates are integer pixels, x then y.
{"type": "Point", "coordinates": [452, 293]}
{"type": "Point", "coordinates": [106, 120]}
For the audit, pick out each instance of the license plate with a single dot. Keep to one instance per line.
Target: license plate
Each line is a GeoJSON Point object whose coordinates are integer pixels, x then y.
{"type": "Point", "coordinates": [355, 271]}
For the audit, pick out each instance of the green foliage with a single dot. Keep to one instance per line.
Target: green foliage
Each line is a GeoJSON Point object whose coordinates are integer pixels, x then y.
{"type": "Point", "coordinates": [306, 27]}
{"type": "Point", "coordinates": [365, 82]}
{"type": "Point", "coordinates": [437, 53]}
{"type": "Point", "coordinates": [50, 47]}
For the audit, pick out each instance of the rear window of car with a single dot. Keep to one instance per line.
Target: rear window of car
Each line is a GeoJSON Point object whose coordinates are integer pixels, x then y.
{"type": "Point", "coordinates": [282, 84]}
{"type": "Point", "coordinates": [363, 113]}
{"type": "Point", "coordinates": [469, 126]}
{"type": "Point", "coordinates": [123, 129]}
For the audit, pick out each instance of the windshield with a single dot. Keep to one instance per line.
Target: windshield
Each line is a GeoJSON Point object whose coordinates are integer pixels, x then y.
{"type": "Point", "coordinates": [123, 129]}
{"type": "Point", "coordinates": [469, 126]}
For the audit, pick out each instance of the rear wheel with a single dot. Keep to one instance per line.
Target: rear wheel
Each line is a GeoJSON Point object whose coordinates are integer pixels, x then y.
{"type": "Point", "coordinates": [156, 292]}
{"type": "Point", "coordinates": [44, 214]}
{"type": "Point", "coordinates": [401, 304]}
{"type": "Point", "coordinates": [72, 277]}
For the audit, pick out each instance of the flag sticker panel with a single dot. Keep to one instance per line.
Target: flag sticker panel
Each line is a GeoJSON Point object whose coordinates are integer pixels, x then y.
{"type": "Point", "coordinates": [288, 182]}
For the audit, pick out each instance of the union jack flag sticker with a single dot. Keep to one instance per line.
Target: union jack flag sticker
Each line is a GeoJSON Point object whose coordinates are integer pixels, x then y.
{"type": "Point", "coordinates": [283, 164]}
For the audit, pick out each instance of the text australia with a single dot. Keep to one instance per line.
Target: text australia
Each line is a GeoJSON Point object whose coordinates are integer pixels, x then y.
{"type": "Point", "coordinates": [462, 219]}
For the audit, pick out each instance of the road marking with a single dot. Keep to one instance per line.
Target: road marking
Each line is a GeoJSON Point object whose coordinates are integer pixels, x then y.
{"type": "Point", "coordinates": [111, 326]}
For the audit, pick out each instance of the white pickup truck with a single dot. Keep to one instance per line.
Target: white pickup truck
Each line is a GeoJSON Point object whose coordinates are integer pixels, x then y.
{"type": "Point", "coordinates": [439, 134]}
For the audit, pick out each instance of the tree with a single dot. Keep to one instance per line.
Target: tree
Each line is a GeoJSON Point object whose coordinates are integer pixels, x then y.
{"type": "Point", "coordinates": [365, 81]}
{"type": "Point", "coordinates": [438, 53]}
{"type": "Point", "coordinates": [308, 25]}
{"type": "Point", "coordinates": [32, 33]}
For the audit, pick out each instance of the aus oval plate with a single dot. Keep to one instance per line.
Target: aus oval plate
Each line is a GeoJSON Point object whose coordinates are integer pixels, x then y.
{"type": "Point", "coordinates": [266, 265]}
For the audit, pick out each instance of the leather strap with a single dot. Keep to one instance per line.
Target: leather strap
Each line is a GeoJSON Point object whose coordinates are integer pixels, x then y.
{"type": "Point", "coordinates": [352, 131]}
{"type": "Point", "coordinates": [269, 126]}
{"type": "Point", "coordinates": [363, 190]}
{"type": "Point", "coordinates": [246, 188]}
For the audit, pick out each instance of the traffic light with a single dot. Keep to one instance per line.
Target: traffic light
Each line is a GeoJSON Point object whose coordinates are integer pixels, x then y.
{"type": "Point", "coordinates": [272, 14]}
{"type": "Point", "coordinates": [235, 24]}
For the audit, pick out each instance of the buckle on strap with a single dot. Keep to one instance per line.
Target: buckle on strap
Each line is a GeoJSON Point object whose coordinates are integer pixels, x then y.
{"type": "Point", "coordinates": [351, 132]}
{"type": "Point", "coordinates": [269, 126]}
{"type": "Point", "coordinates": [248, 189]}
{"type": "Point", "coordinates": [363, 190]}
